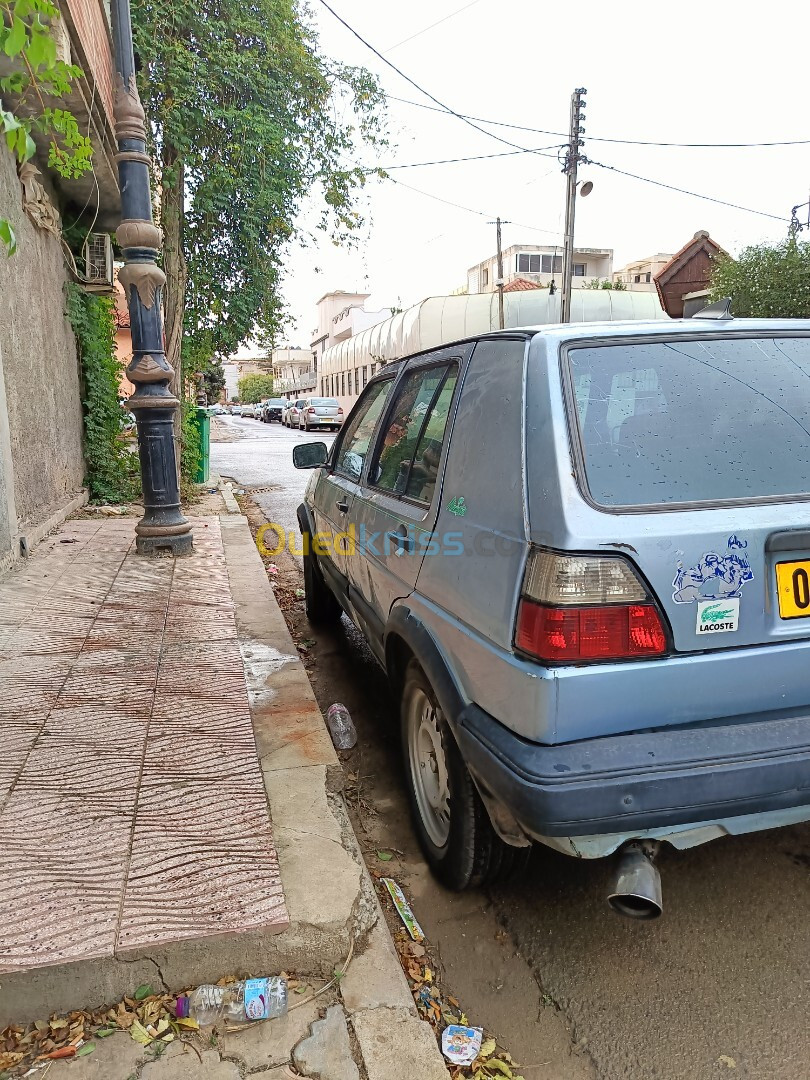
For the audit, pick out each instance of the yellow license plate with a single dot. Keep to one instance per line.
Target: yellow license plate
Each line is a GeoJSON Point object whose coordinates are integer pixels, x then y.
{"type": "Point", "coordinates": [793, 587]}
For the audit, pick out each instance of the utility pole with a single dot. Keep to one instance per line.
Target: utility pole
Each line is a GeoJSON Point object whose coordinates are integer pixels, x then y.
{"type": "Point", "coordinates": [571, 160]}
{"type": "Point", "coordinates": [499, 282]}
{"type": "Point", "coordinates": [162, 529]}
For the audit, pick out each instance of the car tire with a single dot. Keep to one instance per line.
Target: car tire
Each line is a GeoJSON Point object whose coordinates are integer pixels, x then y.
{"type": "Point", "coordinates": [320, 604]}
{"type": "Point", "coordinates": [452, 824]}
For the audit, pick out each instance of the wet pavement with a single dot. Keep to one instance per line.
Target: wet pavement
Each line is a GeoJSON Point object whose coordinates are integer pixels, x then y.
{"type": "Point", "coordinates": [261, 457]}
{"type": "Point", "coordinates": [718, 986]}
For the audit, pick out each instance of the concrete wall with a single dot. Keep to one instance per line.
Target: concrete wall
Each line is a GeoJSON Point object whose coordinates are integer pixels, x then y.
{"type": "Point", "coordinates": [41, 459]}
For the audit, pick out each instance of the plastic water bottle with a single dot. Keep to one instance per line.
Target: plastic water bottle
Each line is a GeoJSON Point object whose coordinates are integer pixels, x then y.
{"type": "Point", "coordinates": [341, 727]}
{"type": "Point", "coordinates": [252, 999]}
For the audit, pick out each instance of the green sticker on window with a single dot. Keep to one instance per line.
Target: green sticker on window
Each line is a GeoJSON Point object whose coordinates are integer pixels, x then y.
{"type": "Point", "coordinates": [456, 506]}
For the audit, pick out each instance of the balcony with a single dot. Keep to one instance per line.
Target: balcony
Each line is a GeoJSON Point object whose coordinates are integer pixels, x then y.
{"type": "Point", "coordinates": [303, 381]}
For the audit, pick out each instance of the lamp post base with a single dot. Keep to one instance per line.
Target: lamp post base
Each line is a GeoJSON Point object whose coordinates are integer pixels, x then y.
{"type": "Point", "coordinates": [165, 545]}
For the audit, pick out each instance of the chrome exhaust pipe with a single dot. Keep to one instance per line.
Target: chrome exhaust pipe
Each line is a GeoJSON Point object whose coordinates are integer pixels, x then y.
{"type": "Point", "coordinates": [636, 891]}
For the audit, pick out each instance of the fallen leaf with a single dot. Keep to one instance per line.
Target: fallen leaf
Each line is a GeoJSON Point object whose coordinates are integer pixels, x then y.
{"type": "Point", "coordinates": [104, 1033]}
{"type": "Point", "coordinates": [139, 1034]}
{"type": "Point", "coordinates": [384, 856]}
{"type": "Point", "coordinates": [88, 1048]}
{"type": "Point", "coordinates": [187, 1022]}
{"type": "Point", "coordinates": [143, 991]}
{"type": "Point", "coordinates": [487, 1048]}
{"type": "Point", "coordinates": [302, 989]}
{"type": "Point", "coordinates": [62, 1052]}
{"type": "Point", "coordinates": [729, 1062]}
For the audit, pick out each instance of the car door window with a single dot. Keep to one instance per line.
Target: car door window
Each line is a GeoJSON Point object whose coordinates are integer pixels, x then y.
{"type": "Point", "coordinates": [407, 461]}
{"type": "Point", "coordinates": [357, 434]}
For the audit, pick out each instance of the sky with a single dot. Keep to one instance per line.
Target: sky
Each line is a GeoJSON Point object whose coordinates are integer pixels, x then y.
{"type": "Point", "coordinates": [714, 73]}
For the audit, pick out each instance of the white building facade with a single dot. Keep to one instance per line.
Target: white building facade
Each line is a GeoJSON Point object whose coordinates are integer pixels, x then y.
{"type": "Point", "coordinates": [539, 264]}
{"type": "Point", "coordinates": [639, 276]}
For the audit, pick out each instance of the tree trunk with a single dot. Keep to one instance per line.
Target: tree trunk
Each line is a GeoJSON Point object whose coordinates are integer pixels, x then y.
{"type": "Point", "coordinates": [174, 266]}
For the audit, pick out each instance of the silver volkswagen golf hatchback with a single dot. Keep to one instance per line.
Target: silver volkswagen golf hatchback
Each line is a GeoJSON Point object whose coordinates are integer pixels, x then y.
{"type": "Point", "coordinates": [582, 554]}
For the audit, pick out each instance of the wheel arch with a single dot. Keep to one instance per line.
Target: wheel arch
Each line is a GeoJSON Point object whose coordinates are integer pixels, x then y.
{"type": "Point", "coordinates": [407, 637]}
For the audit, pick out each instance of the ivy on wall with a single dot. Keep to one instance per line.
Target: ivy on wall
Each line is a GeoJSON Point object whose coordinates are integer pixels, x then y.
{"type": "Point", "coordinates": [112, 467]}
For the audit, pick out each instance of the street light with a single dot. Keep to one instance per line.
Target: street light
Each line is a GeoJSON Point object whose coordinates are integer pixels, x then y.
{"type": "Point", "coordinates": [162, 527]}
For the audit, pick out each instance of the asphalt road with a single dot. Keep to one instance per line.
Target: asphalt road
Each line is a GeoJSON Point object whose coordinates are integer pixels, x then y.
{"type": "Point", "coordinates": [260, 457]}
{"type": "Point", "coordinates": [719, 986]}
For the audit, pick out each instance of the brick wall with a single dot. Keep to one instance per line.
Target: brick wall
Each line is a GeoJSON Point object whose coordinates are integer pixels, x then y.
{"type": "Point", "coordinates": [90, 19]}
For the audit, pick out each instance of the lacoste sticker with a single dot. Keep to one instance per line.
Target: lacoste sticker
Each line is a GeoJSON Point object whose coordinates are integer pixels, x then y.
{"type": "Point", "coordinates": [717, 616]}
{"type": "Point", "coordinates": [456, 506]}
{"type": "Point", "coordinates": [714, 576]}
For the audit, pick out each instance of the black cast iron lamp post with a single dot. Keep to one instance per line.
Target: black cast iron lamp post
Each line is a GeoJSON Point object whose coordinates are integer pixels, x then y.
{"type": "Point", "coordinates": [162, 527]}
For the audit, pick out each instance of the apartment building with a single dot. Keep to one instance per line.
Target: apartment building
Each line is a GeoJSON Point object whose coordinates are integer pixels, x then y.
{"type": "Point", "coordinates": [539, 264]}
{"type": "Point", "coordinates": [639, 276]}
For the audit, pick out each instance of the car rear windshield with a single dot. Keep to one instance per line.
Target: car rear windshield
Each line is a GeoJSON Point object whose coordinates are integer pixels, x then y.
{"type": "Point", "coordinates": [694, 422]}
{"type": "Point", "coordinates": [324, 401]}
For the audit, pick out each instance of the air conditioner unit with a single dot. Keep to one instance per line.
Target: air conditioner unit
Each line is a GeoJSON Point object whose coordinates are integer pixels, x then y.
{"type": "Point", "coordinates": [98, 259]}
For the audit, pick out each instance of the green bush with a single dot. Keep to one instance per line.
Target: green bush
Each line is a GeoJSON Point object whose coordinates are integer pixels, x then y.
{"type": "Point", "coordinates": [190, 448]}
{"type": "Point", "coordinates": [112, 468]}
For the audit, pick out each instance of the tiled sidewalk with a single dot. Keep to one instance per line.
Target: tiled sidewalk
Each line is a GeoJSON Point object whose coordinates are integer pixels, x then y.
{"type": "Point", "coordinates": [132, 807]}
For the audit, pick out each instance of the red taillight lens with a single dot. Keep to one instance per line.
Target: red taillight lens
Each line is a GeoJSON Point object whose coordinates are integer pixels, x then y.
{"type": "Point", "coordinates": [611, 632]}
{"type": "Point", "coordinates": [310, 410]}
{"type": "Point", "coordinates": [340, 412]}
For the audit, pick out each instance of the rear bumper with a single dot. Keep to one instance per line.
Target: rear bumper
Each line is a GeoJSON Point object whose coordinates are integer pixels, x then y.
{"type": "Point", "coordinates": [633, 782]}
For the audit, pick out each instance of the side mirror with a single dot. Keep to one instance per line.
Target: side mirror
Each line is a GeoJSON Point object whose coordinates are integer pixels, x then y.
{"type": "Point", "coordinates": [309, 455]}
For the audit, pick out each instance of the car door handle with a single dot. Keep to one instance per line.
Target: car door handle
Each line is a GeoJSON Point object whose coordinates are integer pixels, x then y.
{"type": "Point", "coordinates": [402, 539]}
{"type": "Point", "coordinates": [343, 507]}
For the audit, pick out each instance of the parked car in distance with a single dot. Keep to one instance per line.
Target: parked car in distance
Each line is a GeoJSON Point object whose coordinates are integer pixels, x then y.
{"type": "Point", "coordinates": [320, 412]}
{"type": "Point", "coordinates": [272, 410]}
{"type": "Point", "coordinates": [293, 413]}
{"type": "Point", "coordinates": [235, 410]}
{"type": "Point", "coordinates": [249, 410]}
{"type": "Point", "coordinates": [596, 612]}
{"type": "Point", "coordinates": [216, 410]}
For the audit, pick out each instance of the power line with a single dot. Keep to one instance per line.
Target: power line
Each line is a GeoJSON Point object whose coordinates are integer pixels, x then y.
{"type": "Point", "coordinates": [684, 191]}
{"type": "Point", "coordinates": [595, 138]}
{"type": "Point", "coordinates": [469, 210]}
{"type": "Point", "coordinates": [475, 157]}
{"type": "Point", "coordinates": [438, 22]}
{"type": "Point", "coordinates": [442, 107]}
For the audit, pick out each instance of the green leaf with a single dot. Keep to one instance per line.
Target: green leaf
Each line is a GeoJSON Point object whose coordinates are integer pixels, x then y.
{"type": "Point", "coordinates": [16, 38]}
{"type": "Point", "coordinates": [7, 237]}
{"type": "Point", "coordinates": [501, 1067]}
{"type": "Point", "coordinates": [143, 991]}
{"type": "Point", "coordinates": [487, 1048]}
{"type": "Point", "coordinates": [384, 856]}
{"type": "Point", "coordinates": [104, 1033]}
{"type": "Point", "coordinates": [41, 50]}
{"type": "Point", "coordinates": [88, 1048]}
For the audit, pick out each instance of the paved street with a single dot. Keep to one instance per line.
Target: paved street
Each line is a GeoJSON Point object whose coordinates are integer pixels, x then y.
{"type": "Point", "coordinates": [261, 457]}
{"type": "Point", "coordinates": [718, 986]}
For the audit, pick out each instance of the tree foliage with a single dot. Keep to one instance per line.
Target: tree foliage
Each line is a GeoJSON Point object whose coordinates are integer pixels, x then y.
{"type": "Point", "coordinates": [254, 387]}
{"type": "Point", "coordinates": [247, 119]}
{"type": "Point", "coordinates": [768, 281]}
{"type": "Point", "coordinates": [606, 284]}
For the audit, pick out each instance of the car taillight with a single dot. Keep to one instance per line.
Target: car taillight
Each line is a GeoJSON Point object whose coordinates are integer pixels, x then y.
{"type": "Point", "coordinates": [577, 608]}
{"type": "Point", "coordinates": [340, 412]}
{"type": "Point", "coordinates": [310, 410]}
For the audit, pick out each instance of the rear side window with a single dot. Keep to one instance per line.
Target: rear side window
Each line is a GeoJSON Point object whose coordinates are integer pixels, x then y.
{"type": "Point", "coordinates": [357, 434]}
{"type": "Point", "coordinates": [693, 422]}
{"type": "Point", "coordinates": [407, 461]}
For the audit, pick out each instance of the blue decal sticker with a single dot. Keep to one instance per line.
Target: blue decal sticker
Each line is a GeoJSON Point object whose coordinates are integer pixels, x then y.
{"type": "Point", "coordinates": [714, 577]}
